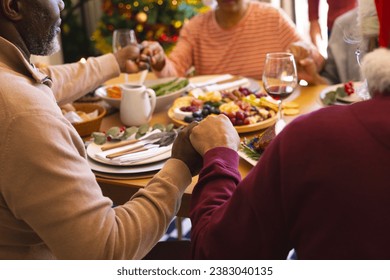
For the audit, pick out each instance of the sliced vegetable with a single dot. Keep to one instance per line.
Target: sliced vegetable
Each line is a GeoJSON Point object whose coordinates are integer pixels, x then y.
{"type": "Point", "coordinates": [171, 86]}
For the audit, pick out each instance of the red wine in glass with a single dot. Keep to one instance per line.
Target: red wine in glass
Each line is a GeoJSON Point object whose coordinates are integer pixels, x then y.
{"type": "Point", "coordinates": [279, 92]}
{"type": "Point", "coordinates": [279, 77]}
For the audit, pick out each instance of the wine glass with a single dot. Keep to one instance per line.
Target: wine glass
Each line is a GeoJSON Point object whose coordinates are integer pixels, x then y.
{"type": "Point", "coordinates": [280, 80]}
{"type": "Point", "coordinates": [122, 38]}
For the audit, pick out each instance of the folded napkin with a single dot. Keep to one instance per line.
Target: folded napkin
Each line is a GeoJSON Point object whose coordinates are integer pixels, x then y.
{"type": "Point", "coordinates": [137, 157]}
{"type": "Point", "coordinates": [213, 80]}
{"type": "Point", "coordinates": [226, 86]}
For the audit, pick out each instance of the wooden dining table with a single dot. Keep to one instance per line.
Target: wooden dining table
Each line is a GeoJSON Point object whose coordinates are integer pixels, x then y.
{"type": "Point", "coordinates": [120, 190]}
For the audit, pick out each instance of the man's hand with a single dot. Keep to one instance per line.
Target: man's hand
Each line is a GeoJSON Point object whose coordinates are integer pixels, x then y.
{"type": "Point", "coordinates": [212, 132]}
{"type": "Point", "coordinates": [183, 150]}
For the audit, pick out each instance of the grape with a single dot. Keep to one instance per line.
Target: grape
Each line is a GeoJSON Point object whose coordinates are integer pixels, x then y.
{"type": "Point", "coordinates": [197, 115]}
{"type": "Point", "coordinates": [239, 122]}
{"type": "Point", "coordinates": [205, 112]}
{"type": "Point", "coordinates": [188, 119]}
{"type": "Point", "coordinates": [215, 111]}
{"type": "Point", "coordinates": [240, 115]}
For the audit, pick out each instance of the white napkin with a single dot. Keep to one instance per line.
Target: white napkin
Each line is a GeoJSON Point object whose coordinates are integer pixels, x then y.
{"type": "Point", "coordinates": [142, 156]}
{"type": "Point", "coordinates": [153, 150]}
{"type": "Point", "coordinates": [225, 86]}
{"type": "Point", "coordinates": [213, 80]}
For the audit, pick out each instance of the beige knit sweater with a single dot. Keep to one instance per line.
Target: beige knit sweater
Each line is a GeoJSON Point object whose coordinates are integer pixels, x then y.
{"type": "Point", "coordinates": [50, 203]}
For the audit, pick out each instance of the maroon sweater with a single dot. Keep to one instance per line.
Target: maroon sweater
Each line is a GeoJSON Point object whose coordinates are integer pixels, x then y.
{"type": "Point", "coordinates": [322, 187]}
{"type": "Point", "coordinates": [336, 8]}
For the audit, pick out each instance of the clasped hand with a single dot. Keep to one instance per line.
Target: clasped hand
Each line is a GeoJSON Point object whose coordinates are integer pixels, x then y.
{"type": "Point", "coordinates": [195, 140]}
{"type": "Point", "coordinates": [135, 58]}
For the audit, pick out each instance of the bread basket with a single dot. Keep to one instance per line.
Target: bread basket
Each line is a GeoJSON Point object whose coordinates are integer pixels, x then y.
{"type": "Point", "coordinates": [87, 127]}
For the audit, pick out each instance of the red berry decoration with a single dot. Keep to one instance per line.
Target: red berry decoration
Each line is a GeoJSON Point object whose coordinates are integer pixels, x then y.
{"type": "Point", "coordinates": [348, 88]}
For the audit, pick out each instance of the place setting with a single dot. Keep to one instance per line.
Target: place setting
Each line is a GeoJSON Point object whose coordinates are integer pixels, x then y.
{"type": "Point", "coordinates": [132, 152]}
{"type": "Point", "coordinates": [137, 149]}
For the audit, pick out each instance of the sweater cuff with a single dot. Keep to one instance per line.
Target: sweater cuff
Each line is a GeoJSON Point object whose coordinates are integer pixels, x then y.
{"type": "Point", "coordinates": [176, 172]}
{"type": "Point", "coordinates": [222, 154]}
{"type": "Point", "coordinates": [110, 67]}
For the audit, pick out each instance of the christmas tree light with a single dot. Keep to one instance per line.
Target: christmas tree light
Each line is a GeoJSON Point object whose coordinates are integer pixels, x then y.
{"type": "Point", "coordinates": [154, 20]}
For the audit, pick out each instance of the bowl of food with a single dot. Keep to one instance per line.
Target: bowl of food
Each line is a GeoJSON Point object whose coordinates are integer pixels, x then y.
{"type": "Point", "coordinates": [91, 116]}
{"type": "Point", "coordinates": [167, 90]}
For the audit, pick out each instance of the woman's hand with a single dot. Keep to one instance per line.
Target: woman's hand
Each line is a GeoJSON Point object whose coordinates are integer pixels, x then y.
{"type": "Point", "coordinates": [153, 53]}
{"type": "Point", "coordinates": [309, 62]}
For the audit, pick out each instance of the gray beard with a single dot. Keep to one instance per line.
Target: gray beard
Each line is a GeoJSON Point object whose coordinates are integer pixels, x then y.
{"type": "Point", "coordinates": [37, 42]}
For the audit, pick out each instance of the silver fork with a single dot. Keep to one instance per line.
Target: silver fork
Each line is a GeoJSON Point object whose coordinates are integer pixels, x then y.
{"type": "Point", "coordinates": [164, 140]}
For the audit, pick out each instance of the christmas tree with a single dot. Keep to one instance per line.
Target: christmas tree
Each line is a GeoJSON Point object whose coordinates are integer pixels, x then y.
{"type": "Point", "coordinates": [155, 20]}
{"type": "Point", "coordinates": [75, 40]}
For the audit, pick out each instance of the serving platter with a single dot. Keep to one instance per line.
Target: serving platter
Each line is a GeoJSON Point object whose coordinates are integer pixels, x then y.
{"type": "Point", "coordinates": [240, 129]}
{"type": "Point", "coordinates": [225, 83]}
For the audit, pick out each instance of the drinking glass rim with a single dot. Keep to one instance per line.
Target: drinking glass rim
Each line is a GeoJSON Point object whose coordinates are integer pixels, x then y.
{"type": "Point", "coordinates": [279, 54]}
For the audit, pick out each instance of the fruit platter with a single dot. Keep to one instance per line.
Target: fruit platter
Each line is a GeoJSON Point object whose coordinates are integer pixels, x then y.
{"type": "Point", "coordinates": [248, 111]}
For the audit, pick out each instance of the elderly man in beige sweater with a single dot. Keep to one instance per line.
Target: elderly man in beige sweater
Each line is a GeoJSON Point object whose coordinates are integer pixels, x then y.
{"type": "Point", "coordinates": [50, 203]}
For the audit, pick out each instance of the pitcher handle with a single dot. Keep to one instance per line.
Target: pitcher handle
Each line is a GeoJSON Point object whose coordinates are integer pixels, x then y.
{"type": "Point", "coordinates": [152, 99]}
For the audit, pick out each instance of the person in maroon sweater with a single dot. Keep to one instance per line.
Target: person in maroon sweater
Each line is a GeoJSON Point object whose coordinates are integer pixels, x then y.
{"type": "Point", "coordinates": [321, 187]}
{"type": "Point", "coordinates": [336, 8]}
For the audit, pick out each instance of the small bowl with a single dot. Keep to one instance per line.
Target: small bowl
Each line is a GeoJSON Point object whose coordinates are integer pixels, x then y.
{"type": "Point", "coordinates": [162, 102]}
{"type": "Point", "coordinates": [87, 127]}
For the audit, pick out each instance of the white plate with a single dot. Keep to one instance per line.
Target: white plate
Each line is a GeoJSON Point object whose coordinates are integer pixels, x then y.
{"type": "Point", "coordinates": [162, 102]}
{"type": "Point", "coordinates": [93, 149]}
{"type": "Point", "coordinates": [343, 100]}
{"type": "Point", "coordinates": [96, 166]}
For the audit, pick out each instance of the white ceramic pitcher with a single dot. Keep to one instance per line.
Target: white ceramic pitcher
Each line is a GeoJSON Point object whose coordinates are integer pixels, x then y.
{"type": "Point", "coordinates": [137, 104]}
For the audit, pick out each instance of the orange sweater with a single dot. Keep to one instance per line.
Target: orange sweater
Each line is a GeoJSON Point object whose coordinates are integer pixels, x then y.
{"type": "Point", "coordinates": [239, 50]}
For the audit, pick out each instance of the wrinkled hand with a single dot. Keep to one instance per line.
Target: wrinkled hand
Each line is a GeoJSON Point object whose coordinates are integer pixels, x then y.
{"type": "Point", "coordinates": [183, 150]}
{"type": "Point", "coordinates": [309, 62]}
{"type": "Point", "coordinates": [212, 132]}
{"type": "Point", "coordinates": [300, 50]}
{"type": "Point", "coordinates": [308, 71]}
{"type": "Point", "coordinates": [127, 59]}
{"type": "Point", "coordinates": [153, 53]}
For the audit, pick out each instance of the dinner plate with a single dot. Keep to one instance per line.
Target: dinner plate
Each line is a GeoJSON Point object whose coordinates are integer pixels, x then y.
{"type": "Point", "coordinates": [342, 100]}
{"type": "Point", "coordinates": [240, 129]}
{"type": "Point", "coordinates": [93, 149]}
{"type": "Point", "coordinates": [139, 169]}
{"type": "Point", "coordinates": [162, 102]}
